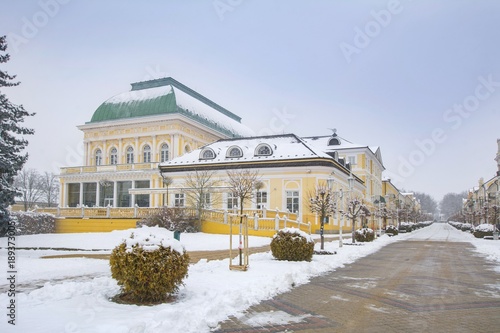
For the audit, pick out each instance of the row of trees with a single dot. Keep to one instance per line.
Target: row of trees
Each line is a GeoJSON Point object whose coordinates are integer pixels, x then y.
{"type": "Point", "coordinates": [37, 188]}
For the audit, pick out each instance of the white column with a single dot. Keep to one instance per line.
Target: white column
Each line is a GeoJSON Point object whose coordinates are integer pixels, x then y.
{"type": "Point", "coordinates": [120, 152]}
{"type": "Point", "coordinates": [98, 194]}
{"type": "Point", "coordinates": [81, 194]}
{"type": "Point", "coordinates": [115, 192]}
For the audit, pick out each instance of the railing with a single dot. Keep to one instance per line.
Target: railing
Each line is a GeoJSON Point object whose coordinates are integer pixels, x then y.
{"type": "Point", "coordinates": [109, 168]}
{"type": "Point", "coordinates": [259, 219]}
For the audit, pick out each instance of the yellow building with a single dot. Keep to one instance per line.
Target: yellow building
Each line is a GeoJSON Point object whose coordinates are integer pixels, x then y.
{"type": "Point", "coordinates": [289, 171]}
{"type": "Point", "coordinates": [129, 134]}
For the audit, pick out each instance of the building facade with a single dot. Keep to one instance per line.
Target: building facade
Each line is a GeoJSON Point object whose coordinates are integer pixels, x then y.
{"type": "Point", "coordinates": [131, 133]}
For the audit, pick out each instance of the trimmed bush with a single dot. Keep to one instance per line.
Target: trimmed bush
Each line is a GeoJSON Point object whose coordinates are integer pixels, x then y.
{"type": "Point", "coordinates": [173, 219]}
{"type": "Point", "coordinates": [483, 230]}
{"type": "Point", "coordinates": [148, 269]}
{"type": "Point", "coordinates": [293, 245]}
{"type": "Point", "coordinates": [391, 229]}
{"type": "Point", "coordinates": [364, 235]}
{"type": "Point", "coordinates": [30, 223]}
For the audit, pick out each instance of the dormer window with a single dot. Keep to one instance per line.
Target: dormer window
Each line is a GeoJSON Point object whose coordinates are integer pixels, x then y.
{"type": "Point", "coordinates": [234, 152]}
{"type": "Point", "coordinates": [263, 150]}
{"type": "Point", "coordinates": [334, 142]}
{"type": "Point", "coordinates": [207, 154]}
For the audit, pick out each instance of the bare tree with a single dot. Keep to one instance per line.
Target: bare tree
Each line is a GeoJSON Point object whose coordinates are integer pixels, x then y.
{"type": "Point", "coordinates": [50, 188]}
{"type": "Point", "coordinates": [198, 186]}
{"type": "Point", "coordinates": [321, 201]}
{"type": "Point", "coordinates": [242, 183]}
{"type": "Point", "coordinates": [28, 182]}
{"type": "Point", "coordinates": [355, 208]}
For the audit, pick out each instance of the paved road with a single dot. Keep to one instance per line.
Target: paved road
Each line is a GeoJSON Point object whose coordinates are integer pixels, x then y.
{"type": "Point", "coordinates": [408, 286]}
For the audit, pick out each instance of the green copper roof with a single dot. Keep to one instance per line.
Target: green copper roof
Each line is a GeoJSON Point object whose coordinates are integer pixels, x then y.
{"type": "Point", "coordinates": [168, 96]}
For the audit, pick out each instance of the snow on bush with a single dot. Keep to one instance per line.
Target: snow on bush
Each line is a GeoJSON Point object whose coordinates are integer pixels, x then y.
{"type": "Point", "coordinates": [148, 268]}
{"type": "Point", "coordinates": [364, 235]}
{"type": "Point", "coordinates": [483, 230]}
{"type": "Point", "coordinates": [30, 223]}
{"type": "Point", "coordinates": [292, 244]}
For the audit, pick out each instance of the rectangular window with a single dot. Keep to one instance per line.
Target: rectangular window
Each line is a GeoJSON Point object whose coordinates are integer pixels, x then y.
{"type": "Point", "coordinates": [147, 156]}
{"type": "Point", "coordinates": [261, 200]}
{"type": "Point", "coordinates": [232, 200]}
{"type": "Point", "coordinates": [114, 158]}
{"type": "Point", "coordinates": [292, 201]}
{"type": "Point", "coordinates": [89, 194]}
{"type": "Point", "coordinates": [142, 200]}
{"type": "Point", "coordinates": [122, 193]}
{"type": "Point", "coordinates": [106, 192]}
{"type": "Point", "coordinates": [179, 200]}
{"type": "Point", "coordinates": [206, 200]}
{"type": "Point", "coordinates": [351, 160]}
{"type": "Point", "coordinates": [73, 194]}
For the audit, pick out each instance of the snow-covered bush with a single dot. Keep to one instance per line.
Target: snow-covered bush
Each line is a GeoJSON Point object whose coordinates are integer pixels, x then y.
{"type": "Point", "coordinates": [364, 235]}
{"type": "Point", "coordinates": [466, 227]}
{"type": "Point", "coordinates": [173, 219]}
{"type": "Point", "coordinates": [406, 227]}
{"type": "Point", "coordinates": [148, 268]}
{"type": "Point", "coordinates": [483, 230]}
{"type": "Point", "coordinates": [30, 223]}
{"type": "Point", "coordinates": [391, 229]}
{"type": "Point", "coordinates": [423, 224]}
{"type": "Point", "coordinates": [293, 245]}
{"type": "Point", "coordinates": [457, 225]}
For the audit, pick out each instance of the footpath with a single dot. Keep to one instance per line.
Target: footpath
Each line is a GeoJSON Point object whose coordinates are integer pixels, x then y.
{"type": "Point", "coordinates": [411, 286]}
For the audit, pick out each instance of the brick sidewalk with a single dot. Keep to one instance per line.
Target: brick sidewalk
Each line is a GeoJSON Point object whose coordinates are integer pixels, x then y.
{"type": "Point", "coordinates": [405, 287]}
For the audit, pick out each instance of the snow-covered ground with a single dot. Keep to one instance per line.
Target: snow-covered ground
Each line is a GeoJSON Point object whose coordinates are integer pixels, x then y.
{"type": "Point", "coordinates": [77, 297]}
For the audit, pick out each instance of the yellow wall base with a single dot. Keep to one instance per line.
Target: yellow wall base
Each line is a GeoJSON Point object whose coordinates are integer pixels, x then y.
{"type": "Point", "coordinates": [93, 225]}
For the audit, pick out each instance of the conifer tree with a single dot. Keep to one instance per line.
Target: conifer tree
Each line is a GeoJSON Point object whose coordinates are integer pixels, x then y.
{"type": "Point", "coordinates": [12, 141]}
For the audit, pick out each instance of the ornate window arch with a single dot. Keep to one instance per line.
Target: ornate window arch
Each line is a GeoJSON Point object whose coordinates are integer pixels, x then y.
{"type": "Point", "coordinates": [234, 152]}
{"type": "Point", "coordinates": [263, 149]}
{"type": "Point", "coordinates": [207, 154]}
{"type": "Point", "coordinates": [98, 157]}
{"type": "Point", "coordinates": [164, 152]}
{"type": "Point", "coordinates": [113, 156]}
{"type": "Point", "coordinates": [130, 155]}
{"type": "Point", "coordinates": [146, 154]}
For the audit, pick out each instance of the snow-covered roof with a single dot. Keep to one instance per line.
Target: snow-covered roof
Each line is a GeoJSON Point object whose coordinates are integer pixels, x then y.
{"type": "Point", "coordinates": [251, 149]}
{"type": "Point", "coordinates": [168, 96]}
{"type": "Point", "coordinates": [331, 143]}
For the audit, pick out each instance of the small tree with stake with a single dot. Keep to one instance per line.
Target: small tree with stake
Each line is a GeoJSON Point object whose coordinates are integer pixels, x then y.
{"type": "Point", "coordinates": [242, 183]}
{"type": "Point", "coordinates": [321, 202]}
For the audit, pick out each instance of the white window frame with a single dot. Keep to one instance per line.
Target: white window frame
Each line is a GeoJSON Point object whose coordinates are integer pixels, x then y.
{"type": "Point", "coordinates": [179, 200]}
{"type": "Point", "coordinates": [259, 203]}
{"type": "Point", "coordinates": [146, 154]}
{"type": "Point", "coordinates": [113, 156]}
{"type": "Point", "coordinates": [294, 196]}
{"type": "Point", "coordinates": [164, 152]}
{"type": "Point", "coordinates": [98, 157]}
{"type": "Point", "coordinates": [231, 200]}
{"type": "Point", "coordinates": [130, 155]}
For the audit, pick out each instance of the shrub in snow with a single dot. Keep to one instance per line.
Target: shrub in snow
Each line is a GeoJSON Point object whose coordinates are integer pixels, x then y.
{"type": "Point", "coordinates": [406, 227]}
{"type": "Point", "coordinates": [484, 230]}
{"type": "Point", "coordinates": [391, 229]}
{"type": "Point", "coordinates": [364, 235]}
{"type": "Point", "coordinates": [293, 245]}
{"type": "Point", "coordinates": [173, 219]}
{"type": "Point", "coordinates": [30, 223]}
{"type": "Point", "coordinates": [466, 227]}
{"type": "Point", "coordinates": [149, 269]}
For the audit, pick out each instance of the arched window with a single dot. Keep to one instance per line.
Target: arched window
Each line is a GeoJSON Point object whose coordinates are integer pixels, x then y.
{"type": "Point", "coordinates": [334, 142]}
{"type": "Point", "coordinates": [207, 154]}
{"type": "Point", "coordinates": [234, 152]}
{"type": "Point", "coordinates": [98, 157]}
{"type": "Point", "coordinates": [146, 153]}
{"type": "Point", "coordinates": [113, 158]}
{"type": "Point", "coordinates": [130, 155]}
{"type": "Point", "coordinates": [263, 150]}
{"type": "Point", "coordinates": [164, 153]}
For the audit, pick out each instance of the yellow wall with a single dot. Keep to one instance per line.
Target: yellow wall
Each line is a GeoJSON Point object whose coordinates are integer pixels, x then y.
{"type": "Point", "coordinates": [93, 225]}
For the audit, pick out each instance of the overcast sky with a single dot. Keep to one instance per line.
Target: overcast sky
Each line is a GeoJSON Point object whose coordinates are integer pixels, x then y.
{"type": "Point", "coordinates": [420, 79]}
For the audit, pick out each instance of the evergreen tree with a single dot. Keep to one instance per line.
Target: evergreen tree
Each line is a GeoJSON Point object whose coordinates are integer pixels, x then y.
{"type": "Point", "coordinates": [12, 142]}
